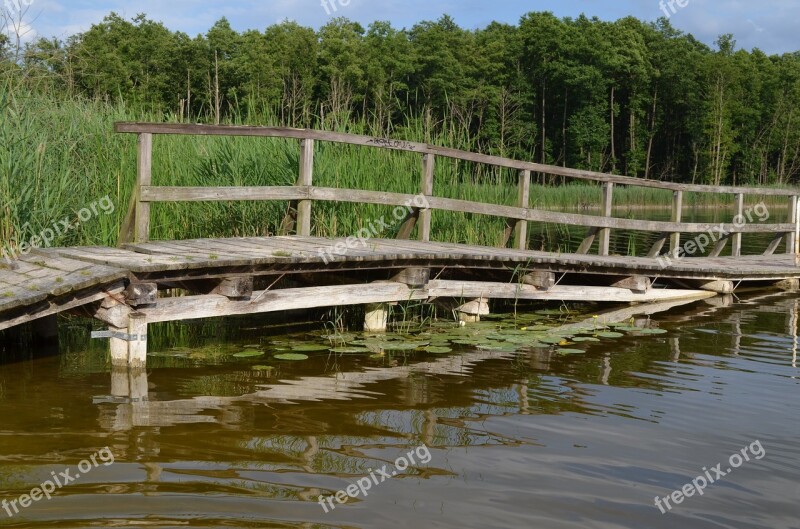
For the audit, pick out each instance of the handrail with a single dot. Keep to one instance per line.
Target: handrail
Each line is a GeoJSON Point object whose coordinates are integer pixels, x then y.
{"type": "Point", "coordinates": [137, 224]}
{"type": "Point", "coordinates": [424, 148]}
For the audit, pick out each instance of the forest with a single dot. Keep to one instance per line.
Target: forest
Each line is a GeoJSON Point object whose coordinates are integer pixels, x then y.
{"type": "Point", "coordinates": [629, 97]}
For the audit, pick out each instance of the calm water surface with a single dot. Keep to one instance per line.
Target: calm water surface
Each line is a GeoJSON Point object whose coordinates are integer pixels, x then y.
{"type": "Point", "coordinates": [526, 439]}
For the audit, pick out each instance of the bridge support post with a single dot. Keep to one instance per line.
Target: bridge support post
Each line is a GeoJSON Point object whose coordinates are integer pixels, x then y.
{"type": "Point", "coordinates": [471, 312]}
{"type": "Point", "coordinates": [376, 318]}
{"type": "Point", "coordinates": [129, 345]}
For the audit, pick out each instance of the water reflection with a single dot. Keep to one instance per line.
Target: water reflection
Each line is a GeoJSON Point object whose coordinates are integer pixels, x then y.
{"type": "Point", "coordinates": [517, 439]}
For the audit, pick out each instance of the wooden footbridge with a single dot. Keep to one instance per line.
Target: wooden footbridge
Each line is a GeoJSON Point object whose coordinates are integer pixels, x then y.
{"type": "Point", "coordinates": [145, 281]}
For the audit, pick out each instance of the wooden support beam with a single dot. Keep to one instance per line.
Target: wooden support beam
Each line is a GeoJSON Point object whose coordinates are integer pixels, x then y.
{"type": "Point", "coordinates": [523, 201]}
{"type": "Point", "coordinates": [633, 283]}
{"type": "Point", "coordinates": [655, 251]}
{"type": "Point", "coordinates": [211, 306]}
{"type": "Point", "coordinates": [234, 287]}
{"type": "Point", "coordinates": [793, 218]}
{"type": "Point", "coordinates": [415, 277]}
{"type": "Point", "coordinates": [606, 208]}
{"type": "Point", "coordinates": [110, 311]}
{"type": "Point", "coordinates": [720, 287]}
{"type": "Point", "coordinates": [144, 177]}
{"type": "Point", "coordinates": [137, 346]}
{"type": "Point", "coordinates": [736, 238]}
{"type": "Point", "coordinates": [138, 294]}
{"type": "Point", "coordinates": [376, 317]}
{"type": "Point", "coordinates": [128, 345]}
{"type": "Point", "coordinates": [407, 227]}
{"type": "Point", "coordinates": [305, 179]}
{"type": "Point", "coordinates": [790, 285]}
{"type": "Point", "coordinates": [719, 246]}
{"type": "Point", "coordinates": [774, 244]}
{"type": "Point", "coordinates": [540, 279]}
{"type": "Point", "coordinates": [586, 245]}
{"type": "Point", "coordinates": [677, 215]}
{"type": "Point", "coordinates": [487, 290]}
{"type": "Point", "coordinates": [472, 311]}
{"type": "Point", "coordinates": [428, 165]}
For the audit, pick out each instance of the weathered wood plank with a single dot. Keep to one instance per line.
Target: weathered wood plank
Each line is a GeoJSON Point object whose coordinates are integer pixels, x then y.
{"type": "Point", "coordinates": [144, 177]}
{"type": "Point", "coordinates": [222, 194]}
{"type": "Point", "coordinates": [402, 145]}
{"type": "Point", "coordinates": [193, 307]}
{"type": "Point", "coordinates": [490, 290]}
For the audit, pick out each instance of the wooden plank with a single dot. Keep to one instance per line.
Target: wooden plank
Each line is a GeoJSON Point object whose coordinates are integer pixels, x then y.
{"type": "Point", "coordinates": [539, 279]}
{"type": "Point", "coordinates": [606, 207]}
{"type": "Point", "coordinates": [56, 306]}
{"type": "Point", "coordinates": [305, 179]}
{"type": "Point", "coordinates": [677, 212]}
{"type": "Point", "coordinates": [587, 242]}
{"type": "Point", "coordinates": [222, 194]}
{"type": "Point", "coordinates": [774, 244]}
{"type": "Point", "coordinates": [144, 176]}
{"type": "Point", "coordinates": [736, 238]}
{"type": "Point", "coordinates": [794, 211]}
{"type": "Point", "coordinates": [719, 246]}
{"type": "Point", "coordinates": [490, 290]}
{"type": "Point", "coordinates": [402, 145]}
{"type": "Point", "coordinates": [655, 250]}
{"type": "Point", "coordinates": [426, 188]}
{"type": "Point", "coordinates": [523, 201]}
{"type": "Point", "coordinates": [193, 307]}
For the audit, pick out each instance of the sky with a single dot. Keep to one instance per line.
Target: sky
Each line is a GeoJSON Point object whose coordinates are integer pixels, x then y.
{"type": "Point", "coordinates": [770, 25]}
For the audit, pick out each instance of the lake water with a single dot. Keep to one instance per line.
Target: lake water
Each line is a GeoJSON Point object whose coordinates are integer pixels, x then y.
{"type": "Point", "coordinates": [501, 439]}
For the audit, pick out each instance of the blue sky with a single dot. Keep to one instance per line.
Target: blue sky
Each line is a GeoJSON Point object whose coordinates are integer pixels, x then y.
{"type": "Point", "coordinates": [771, 25]}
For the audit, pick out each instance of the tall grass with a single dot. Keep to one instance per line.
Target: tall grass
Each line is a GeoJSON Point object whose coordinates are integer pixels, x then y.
{"type": "Point", "coordinates": [58, 155]}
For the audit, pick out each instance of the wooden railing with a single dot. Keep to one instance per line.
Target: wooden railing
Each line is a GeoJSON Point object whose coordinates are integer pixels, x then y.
{"type": "Point", "coordinates": [136, 227]}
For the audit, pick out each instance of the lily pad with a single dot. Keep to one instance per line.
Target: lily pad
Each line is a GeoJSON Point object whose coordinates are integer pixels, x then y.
{"type": "Point", "coordinates": [403, 346]}
{"type": "Point", "coordinates": [651, 331]}
{"type": "Point", "coordinates": [350, 350]}
{"type": "Point", "coordinates": [249, 353]}
{"type": "Point", "coordinates": [291, 356]}
{"type": "Point", "coordinates": [552, 340]}
{"type": "Point", "coordinates": [566, 351]}
{"type": "Point", "coordinates": [438, 350]}
{"type": "Point", "coordinates": [610, 334]}
{"type": "Point", "coordinates": [262, 368]}
{"type": "Point", "coordinates": [579, 339]}
{"type": "Point", "coordinates": [309, 348]}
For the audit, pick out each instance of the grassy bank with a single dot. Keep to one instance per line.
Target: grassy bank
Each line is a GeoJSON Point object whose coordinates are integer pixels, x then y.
{"type": "Point", "coordinates": [57, 156]}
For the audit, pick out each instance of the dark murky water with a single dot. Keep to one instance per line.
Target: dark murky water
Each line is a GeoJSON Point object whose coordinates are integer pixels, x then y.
{"type": "Point", "coordinates": [516, 439]}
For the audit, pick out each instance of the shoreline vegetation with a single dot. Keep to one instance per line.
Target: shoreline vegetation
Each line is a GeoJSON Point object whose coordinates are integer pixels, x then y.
{"type": "Point", "coordinates": [624, 97]}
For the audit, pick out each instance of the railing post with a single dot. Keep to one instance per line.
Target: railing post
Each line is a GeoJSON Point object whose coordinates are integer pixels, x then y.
{"type": "Point", "coordinates": [305, 179]}
{"type": "Point", "coordinates": [677, 213]}
{"type": "Point", "coordinates": [144, 177]}
{"type": "Point", "coordinates": [428, 163]}
{"type": "Point", "coordinates": [791, 244]}
{"type": "Point", "coordinates": [607, 208]}
{"type": "Point", "coordinates": [523, 201]}
{"type": "Point", "coordinates": [736, 238]}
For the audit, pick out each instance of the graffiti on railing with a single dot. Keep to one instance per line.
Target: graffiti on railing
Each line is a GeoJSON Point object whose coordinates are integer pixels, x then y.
{"type": "Point", "coordinates": [392, 144]}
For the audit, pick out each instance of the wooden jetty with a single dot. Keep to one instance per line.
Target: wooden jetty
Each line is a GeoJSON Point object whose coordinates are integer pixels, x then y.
{"type": "Point", "coordinates": [135, 284]}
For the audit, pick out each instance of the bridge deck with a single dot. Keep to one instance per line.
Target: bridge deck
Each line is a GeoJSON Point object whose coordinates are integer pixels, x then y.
{"type": "Point", "coordinates": [58, 279]}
